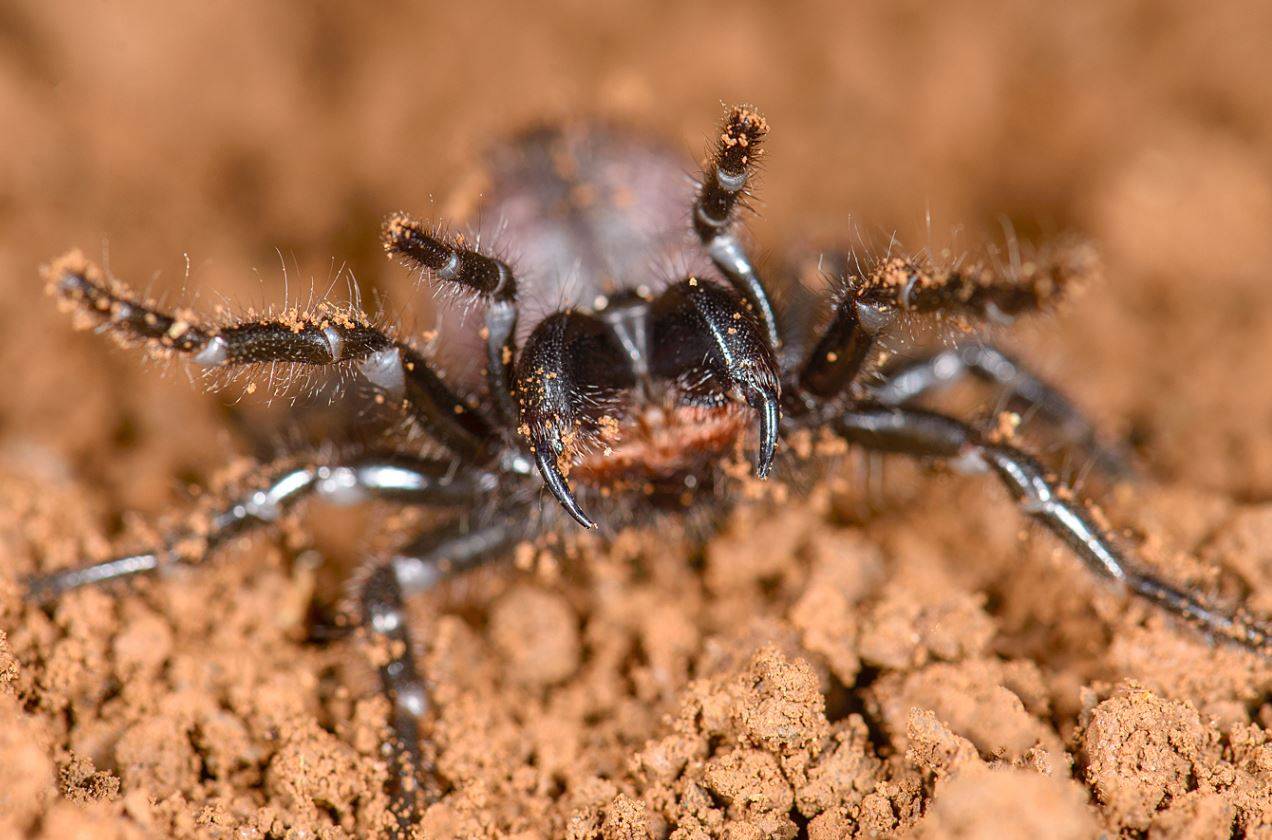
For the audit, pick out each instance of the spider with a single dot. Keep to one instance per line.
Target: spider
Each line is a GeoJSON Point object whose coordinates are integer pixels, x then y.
{"type": "Point", "coordinates": [634, 399]}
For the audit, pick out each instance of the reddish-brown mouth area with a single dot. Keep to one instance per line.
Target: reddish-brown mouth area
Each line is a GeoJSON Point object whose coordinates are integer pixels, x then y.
{"type": "Point", "coordinates": [659, 443]}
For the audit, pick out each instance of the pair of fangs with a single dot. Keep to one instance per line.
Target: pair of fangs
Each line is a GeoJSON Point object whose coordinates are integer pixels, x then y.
{"type": "Point", "coordinates": [762, 398]}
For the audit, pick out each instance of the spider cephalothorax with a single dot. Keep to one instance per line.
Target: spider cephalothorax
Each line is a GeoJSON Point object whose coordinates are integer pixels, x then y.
{"type": "Point", "coordinates": [638, 393]}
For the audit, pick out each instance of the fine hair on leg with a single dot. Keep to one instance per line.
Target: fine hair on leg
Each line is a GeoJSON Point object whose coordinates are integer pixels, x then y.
{"type": "Point", "coordinates": [329, 338]}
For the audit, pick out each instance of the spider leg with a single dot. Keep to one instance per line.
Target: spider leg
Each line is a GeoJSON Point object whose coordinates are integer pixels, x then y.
{"type": "Point", "coordinates": [277, 489]}
{"type": "Point", "coordinates": [927, 434]}
{"type": "Point", "coordinates": [724, 181]}
{"type": "Point", "coordinates": [416, 568]}
{"type": "Point", "coordinates": [878, 293]}
{"type": "Point", "coordinates": [977, 289]}
{"type": "Point", "coordinates": [326, 338]}
{"type": "Point", "coordinates": [489, 278]}
{"type": "Point", "coordinates": [916, 378]}
{"type": "Point", "coordinates": [841, 353]}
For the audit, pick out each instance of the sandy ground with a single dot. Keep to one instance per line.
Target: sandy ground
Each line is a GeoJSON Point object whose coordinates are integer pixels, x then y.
{"type": "Point", "coordinates": [930, 666]}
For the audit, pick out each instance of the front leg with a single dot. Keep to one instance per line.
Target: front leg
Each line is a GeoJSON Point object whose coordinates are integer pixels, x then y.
{"type": "Point", "coordinates": [926, 434]}
{"type": "Point", "coordinates": [328, 337]}
{"type": "Point", "coordinates": [723, 189]}
{"type": "Point", "coordinates": [490, 279]}
{"type": "Point", "coordinates": [875, 293]}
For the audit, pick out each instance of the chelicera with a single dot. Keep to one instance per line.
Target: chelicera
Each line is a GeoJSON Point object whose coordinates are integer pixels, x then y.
{"type": "Point", "coordinates": [634, 397]}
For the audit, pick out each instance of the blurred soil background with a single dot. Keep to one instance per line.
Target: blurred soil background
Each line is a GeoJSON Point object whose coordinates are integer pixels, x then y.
{"type": "Point", "coordinates": [933, 668]}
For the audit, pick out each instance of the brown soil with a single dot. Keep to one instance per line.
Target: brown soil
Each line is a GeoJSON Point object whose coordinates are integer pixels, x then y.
{"type": "Point", "coordinates": [934, 667]}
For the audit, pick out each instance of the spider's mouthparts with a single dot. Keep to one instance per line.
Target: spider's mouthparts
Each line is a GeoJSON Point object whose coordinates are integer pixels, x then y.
{"type": "Point", "coordinates": [765, 401]}
{"type": "Point", "coordinates": [547, 463]}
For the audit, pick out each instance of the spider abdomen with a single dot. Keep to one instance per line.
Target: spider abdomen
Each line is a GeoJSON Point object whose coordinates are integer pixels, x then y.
{"type": "Point", "coordinates": [586, 212]}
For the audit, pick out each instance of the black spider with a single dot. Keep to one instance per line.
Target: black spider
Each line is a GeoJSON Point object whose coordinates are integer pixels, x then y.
{"type": "Point", "coordinates": [639, 393]}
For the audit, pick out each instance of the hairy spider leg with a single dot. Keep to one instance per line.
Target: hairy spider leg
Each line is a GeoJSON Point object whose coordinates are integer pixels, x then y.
{"type": "Point", "coordinates": [722, 189]}
{"type": "Point", "coordinates": [328, 338]}
{"type": "Point", "coordinates": [873, 298]}
{"type": "Point", "coordinates": [416, 568]}
{"type": "Point", "coordinates": [1025, 391]}
{"type": "Point", "coordinates": [489, 278]}
{"type": "Point", "coordinates": [927, 434]}
{"type": "Point", "coordinates": [274, 491]}
{"type": "Point", "coordinates": [843, 351]}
